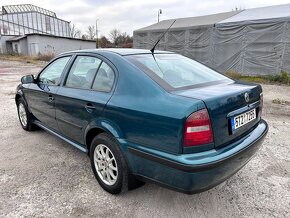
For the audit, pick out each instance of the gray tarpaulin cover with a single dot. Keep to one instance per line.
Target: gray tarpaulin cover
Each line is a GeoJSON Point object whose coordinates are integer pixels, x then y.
{"type": "Point", "coordinates": [253, 41]}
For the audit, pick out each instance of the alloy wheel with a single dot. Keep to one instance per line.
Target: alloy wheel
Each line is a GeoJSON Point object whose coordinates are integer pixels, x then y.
{"type": "Point", "coordinates": [105, 164]}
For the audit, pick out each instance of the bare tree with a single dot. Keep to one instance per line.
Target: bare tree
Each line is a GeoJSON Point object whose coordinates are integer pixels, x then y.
{"type": "Point", "coordinates": [91, 32]}
{"type": "Point", "coordinates": [114, 36]}
{"type": "Point", "coordinates": [74, 32]}
{"type": "Point", "coordinates": [120, 39]}
{"type": "Point", "coordinates": [104, 42]}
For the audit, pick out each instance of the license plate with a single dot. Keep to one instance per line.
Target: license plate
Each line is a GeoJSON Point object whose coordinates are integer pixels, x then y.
{"type": "Point", "coordinates": [243, 119]}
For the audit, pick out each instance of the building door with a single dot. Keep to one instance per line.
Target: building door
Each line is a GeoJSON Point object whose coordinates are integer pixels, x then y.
{"type": "Point", "coordinates": [34, 48]}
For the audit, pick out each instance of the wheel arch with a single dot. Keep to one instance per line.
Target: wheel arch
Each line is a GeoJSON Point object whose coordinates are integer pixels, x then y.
{"type": "Point", "coordinates": [100, 126]}
{"type": "Point", "coordinates": [19, 95]}
{"type": "Point", "coordinates": [90, 136]}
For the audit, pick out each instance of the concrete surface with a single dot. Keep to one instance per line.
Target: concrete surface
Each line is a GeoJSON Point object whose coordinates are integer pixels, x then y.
{"type": "Point", "coordinates": [42, 176]}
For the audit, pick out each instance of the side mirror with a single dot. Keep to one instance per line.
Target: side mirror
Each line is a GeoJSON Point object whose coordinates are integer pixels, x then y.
{"type": "Point", "coordinates": [27, 79]}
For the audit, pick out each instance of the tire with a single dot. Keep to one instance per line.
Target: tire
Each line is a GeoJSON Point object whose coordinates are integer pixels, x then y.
{"type": "Point", "coordinates": [112, 175]}
{"type": "Point", "coordinates": [25, 117]}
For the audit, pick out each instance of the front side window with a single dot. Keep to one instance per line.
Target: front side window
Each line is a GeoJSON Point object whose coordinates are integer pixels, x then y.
{"type": "Point", "coordinates": [83, 72]}
{"type": "Point", "coordinates": [175, 70]}
{"type": "Point", "coordinates": [52, 73]}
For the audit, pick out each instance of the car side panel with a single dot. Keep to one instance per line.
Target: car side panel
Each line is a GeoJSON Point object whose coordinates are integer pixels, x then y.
{"type": "Point", "coordinates": [151, 123]}
{"type": "Point", "coordinates": [145, 113]}
{"type": "Point", "coordinates": [40, 99]}
{"type": "Point", "coordinates": [71, 113]}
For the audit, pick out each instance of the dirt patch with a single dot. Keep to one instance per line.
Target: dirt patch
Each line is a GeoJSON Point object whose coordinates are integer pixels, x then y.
{"type": "Point", "coordinates": [281, 101]}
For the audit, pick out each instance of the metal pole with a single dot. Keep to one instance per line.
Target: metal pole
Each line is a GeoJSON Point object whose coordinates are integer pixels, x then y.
{"type": "Point", "coordinates": [97, 33]}
{"type": "Point", "coordinates": [159, 12]}
{"type": "Point", "coordinates": [158, 15]}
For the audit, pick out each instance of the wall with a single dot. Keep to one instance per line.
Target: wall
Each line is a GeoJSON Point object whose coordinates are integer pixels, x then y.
{"type": "Point", "coordinates": [3, 47]}
{"type": "Point", "coordinates": [55, 46]}
{"type": "Point", "coordinates": [21, 46]}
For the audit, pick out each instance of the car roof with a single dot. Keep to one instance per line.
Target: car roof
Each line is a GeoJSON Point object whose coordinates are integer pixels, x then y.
{"type": "Point", "coordinates": [120, 51]}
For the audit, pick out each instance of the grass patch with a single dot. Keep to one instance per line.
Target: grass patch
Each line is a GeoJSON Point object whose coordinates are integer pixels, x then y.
{"type": "Point", "coordinates": [26, 59]}
{"type": "Point", "coordinates": [282, 78]}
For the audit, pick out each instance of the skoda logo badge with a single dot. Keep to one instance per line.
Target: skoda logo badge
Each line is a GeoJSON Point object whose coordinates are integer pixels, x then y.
{"type": "Point", "coordinates": [247, 97]}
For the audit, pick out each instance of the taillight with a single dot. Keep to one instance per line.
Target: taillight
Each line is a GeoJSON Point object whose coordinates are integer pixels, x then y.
{"type": "Point", "coordinates": [198, 129]}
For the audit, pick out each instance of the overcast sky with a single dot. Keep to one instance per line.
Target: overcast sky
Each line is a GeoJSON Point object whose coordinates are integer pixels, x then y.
{"type": "Point", "coordinates": [129, 15]}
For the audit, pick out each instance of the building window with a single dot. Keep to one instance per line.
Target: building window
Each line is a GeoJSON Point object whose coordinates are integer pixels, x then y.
{"type": "Point", "coordinates": [47, 23]}
{"type": "Point", "coordinates": [5, 29]}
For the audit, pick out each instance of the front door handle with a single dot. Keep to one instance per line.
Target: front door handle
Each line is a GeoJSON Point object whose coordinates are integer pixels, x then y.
{"type": "Point", "coordinates": [50, 98]}
{"type": "Point", "coordinates": [89, 107]}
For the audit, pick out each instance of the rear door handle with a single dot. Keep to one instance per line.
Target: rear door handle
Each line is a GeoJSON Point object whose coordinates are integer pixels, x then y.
{"type": "Point", "coordinates": [50, 98]}
{"type": "Point", "coordinates": [89, 107]}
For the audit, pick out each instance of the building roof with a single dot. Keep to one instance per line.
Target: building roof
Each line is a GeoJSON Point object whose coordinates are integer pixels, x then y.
{"type": "Point", "coordinates": [190, 21]}
{"type": "Point", "coordinates": [253, 15]}
{"type": "Point", "coordinates": [17, 38]}
{"type": "Point", "coordinates": [9, 9]}
{"type": "Point", "coordinates": [263, 13]}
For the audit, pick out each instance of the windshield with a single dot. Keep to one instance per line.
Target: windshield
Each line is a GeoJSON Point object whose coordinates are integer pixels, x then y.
{"type": "Point", "coordinates": [175, 70]}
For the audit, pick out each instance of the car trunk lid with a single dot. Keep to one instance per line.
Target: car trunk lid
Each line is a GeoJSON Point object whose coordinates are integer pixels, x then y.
{"type": "Point", "coordinates": [225, 101]}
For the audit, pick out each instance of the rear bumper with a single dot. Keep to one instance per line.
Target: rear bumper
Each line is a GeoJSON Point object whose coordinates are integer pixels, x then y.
{"type": "Point", "coordinates": [193, 173]}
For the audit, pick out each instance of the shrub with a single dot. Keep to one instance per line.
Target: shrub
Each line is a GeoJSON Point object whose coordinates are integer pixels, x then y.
{"type": "Point", "coordinates": [45, 57]}
{"type": "Point", "coordinates": [233, 74]}
{"type": "Point", "coordinates": [283, 77]}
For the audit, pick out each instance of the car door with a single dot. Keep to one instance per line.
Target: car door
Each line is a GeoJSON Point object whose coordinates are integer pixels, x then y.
{"type": "Point", "coordinates": [83, 96]}
{"type": "Point", "coordinates": [41, 94]}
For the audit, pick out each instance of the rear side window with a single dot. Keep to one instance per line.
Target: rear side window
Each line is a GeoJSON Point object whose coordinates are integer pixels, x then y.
{"type": "Point", "coordinates": [52, 73]}
{"type": "Point", "coordinates": [83, 72]}
{"type": "Point", "coordinates": [105, 78]}
{"type": "Point", "coordinates": [175, 70]}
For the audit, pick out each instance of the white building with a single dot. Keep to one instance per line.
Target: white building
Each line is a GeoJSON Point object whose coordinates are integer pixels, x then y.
{"type": "Point", "coordinates": [30, 30]}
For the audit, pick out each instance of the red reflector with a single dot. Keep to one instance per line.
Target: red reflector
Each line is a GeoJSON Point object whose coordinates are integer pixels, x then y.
{"type": "Point", "coordinates": [198, 129]}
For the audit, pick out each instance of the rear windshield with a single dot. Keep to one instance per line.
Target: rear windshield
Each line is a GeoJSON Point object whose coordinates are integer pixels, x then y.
{"type": "Point", "coordinates": [175, 71]}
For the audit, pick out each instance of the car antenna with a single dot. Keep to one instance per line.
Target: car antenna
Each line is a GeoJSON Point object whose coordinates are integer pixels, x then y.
{"type": "Point", "coordinates": [152, 50]}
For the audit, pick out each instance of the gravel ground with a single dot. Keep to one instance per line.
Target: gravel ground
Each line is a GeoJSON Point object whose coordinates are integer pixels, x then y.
{"type": "Point", "coordinates": [42, 176]}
